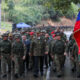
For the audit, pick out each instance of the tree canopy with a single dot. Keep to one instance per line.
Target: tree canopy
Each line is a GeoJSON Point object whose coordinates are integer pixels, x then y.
{"type": "Point", "coordinates": [33, 11]}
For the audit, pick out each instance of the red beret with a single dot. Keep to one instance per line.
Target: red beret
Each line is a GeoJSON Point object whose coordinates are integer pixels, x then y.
{"type": "Point", "coordinates": [52, 32]}
{"type": "Point", "coordinates": [53, 35]}
{"type": "Point", "coordinates": [31, 33]}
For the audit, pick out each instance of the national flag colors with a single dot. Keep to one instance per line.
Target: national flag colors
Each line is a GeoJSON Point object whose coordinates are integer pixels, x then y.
{"type": "Point", "coordinates": [77, 31]}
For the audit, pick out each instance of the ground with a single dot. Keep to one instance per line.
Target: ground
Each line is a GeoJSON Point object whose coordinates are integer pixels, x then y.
{"type": "Point", "coordinates": [49, 74]}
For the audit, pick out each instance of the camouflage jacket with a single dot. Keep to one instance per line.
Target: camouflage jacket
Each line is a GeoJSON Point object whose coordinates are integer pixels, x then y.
{"type": "Point", "coordinates": [38, 47]}
{"type": "Point", "coordinates": [18, 48]}
{"type": "Point", "coordinates": [70, 46]}
{"type": "Point", "coordinates": [5, 47]}
{"type": "Point", "coordinates": [75, 50]}
{"type": "Point", "coordinates": [58, 47]}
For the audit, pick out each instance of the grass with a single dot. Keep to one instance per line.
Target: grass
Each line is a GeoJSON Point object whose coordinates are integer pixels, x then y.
{"type": "Point", "coordinates": [6, 26]}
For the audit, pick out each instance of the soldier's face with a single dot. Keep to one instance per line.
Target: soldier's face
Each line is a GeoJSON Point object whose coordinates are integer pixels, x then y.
{"type": "Point", "coordinates": [5, 38]}
{"type": "Point", "coordinates": [18, 40]}
{"type": "Point", "coordinates": [58, 37]}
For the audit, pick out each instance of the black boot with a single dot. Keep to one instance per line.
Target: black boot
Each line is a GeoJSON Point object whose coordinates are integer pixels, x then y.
{"type": "Point", "coordinates": [16, 76]}
{"type": "Point", "coordinates": [35, 75]}
{"type": "Point", "coordinates": [78, 75]}
{"type": "Point", "coordinates": [59, 74]}
{"type": "Point", "coordinates": [5, 75]}
{"type": "Point", "coordinates": [73, 69]}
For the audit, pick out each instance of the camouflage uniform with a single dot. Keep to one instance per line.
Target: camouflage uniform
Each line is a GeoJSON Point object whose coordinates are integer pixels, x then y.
{"type": "Point", "coordinates": [11, 39]}
{"type": "Point", "coordinates": [74, 56]}
{"type": "Point", "coordinates": [18, 53]}
{"type": "Point", "coordinates": [46, 56]}
{"type": "Point", "coordinates": [37, 50]}
{"type": "Point", "coordinates": [51, 53]}
{"type": "Point", "coordinates": [64, 38]}
{"type": "Point", "coordinates": [58, 50]}
{"type": "Point", "coordinates": [76, 61]}
{"type": "Point", "coordinates": [70, 49]}
{"type": "Point", "coordinates": [31, 61]}
{"type": "Point", "coordinates": [5, 55]}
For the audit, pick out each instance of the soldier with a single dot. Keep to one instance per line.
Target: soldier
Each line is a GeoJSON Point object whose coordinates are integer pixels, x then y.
{"type": "Point", "coordinates": [53, 40]}
{"type": "Point", "coordinates": [70, 49]}
{"type": "Point", "coordinates": [75, 59]}
{"type": "Point", "coordinates": [5, 55]}
{"type": "Point", "coordinates": [26, 42]}
{"type": "Point", "coordinates": [11, 39]}
{"type": "Point", "coordinates": [43, 34]}
{"type": "Point", "coordinates": [18, 56]}
{"type": "Point", "coordinates": [47, 41]}
{"type": "Point", "coordinates": [58, 53]}
{"type": "Point", "coordinates": [31, 61]}
{"type": "Point", "coordinates": [37, 50]}
{"type": "Point", "coordinates": [63, 36]}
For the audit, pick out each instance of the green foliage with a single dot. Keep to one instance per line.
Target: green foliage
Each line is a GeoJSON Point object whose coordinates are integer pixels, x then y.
{"type": "Point", "coordinates": [28, 15]}
{"type": "Point", "coordinates": [72, 11]}
{"type": "Point", "coordinates": [4, 6]}
{"type": "Point", "coordinates": [74, 8]}
{"type": "Point", "coordinates": [33, 11]}
{"type": "Point", "coordinates": [6, 25]}
{"type": "Point", "coordinates": [10, 4]}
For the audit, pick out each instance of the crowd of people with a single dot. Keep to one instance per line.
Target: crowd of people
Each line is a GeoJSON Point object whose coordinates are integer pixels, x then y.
{"type": "Point", "coordinates": [33, 49]}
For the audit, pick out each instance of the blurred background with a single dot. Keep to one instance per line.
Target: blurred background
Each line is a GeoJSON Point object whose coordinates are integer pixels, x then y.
{"type": "Point", "coordinates": [39, 12]}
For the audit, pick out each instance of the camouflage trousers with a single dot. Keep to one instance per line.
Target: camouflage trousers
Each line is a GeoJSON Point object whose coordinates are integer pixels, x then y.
{"type": "Point", "coordinates": [18, 65]}
{"type": "Point", "coordinates": [59, 61]}
{"type": "Point", "coordinates": [5, 62]}
{"type": "Point", "coordinates": [78, 66]}
{"type": "Point", "coordinates": [75, 64]}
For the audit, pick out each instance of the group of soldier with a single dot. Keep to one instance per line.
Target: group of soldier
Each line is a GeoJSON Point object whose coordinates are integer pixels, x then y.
{"type": "Point", "coordinates": [31, 50]}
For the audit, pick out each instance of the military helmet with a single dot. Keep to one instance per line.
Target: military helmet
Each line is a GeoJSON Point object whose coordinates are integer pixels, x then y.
{"type": "Point", "coordinates": [17, 36]}
{"type": "Point", "coordinates": [44, 31]}
{"type": "Point", "coordinates": [57, 33]}
{"type": "Point", "coordinates": [5, 35]}
{"type": "Point", "coordinates": [38, 31]}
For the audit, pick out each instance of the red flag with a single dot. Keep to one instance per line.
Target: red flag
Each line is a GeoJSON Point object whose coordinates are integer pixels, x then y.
{"type": "Point", "coordinates": [77, 32]}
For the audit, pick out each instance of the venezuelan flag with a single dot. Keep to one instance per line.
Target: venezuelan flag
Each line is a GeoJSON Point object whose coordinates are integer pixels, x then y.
{"type": "Point", "coordinates": [77, 32]}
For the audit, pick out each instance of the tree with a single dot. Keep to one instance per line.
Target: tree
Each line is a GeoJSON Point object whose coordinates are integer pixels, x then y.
{"type": "Point", "coordinates": [33, 11]}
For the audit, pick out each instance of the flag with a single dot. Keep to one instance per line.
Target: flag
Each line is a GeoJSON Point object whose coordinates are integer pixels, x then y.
{"type": "Point", "coordinates": [77, 32]}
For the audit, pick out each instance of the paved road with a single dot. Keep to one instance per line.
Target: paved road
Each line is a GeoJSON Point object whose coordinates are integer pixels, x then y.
{"type": "Point", "coordinates": [49, 74]}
